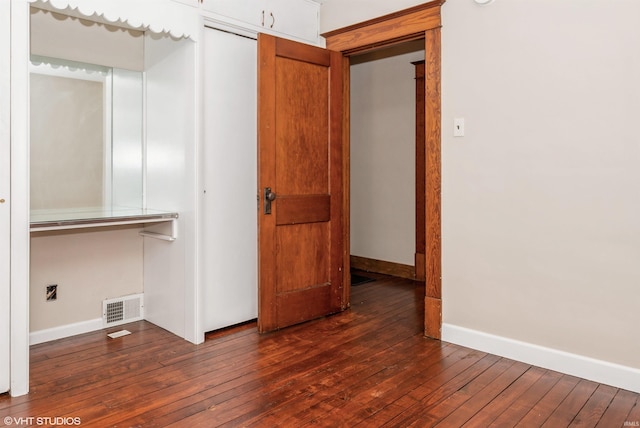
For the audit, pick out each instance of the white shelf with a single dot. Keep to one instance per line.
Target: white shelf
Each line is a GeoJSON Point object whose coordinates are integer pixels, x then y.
{"type": "Point", "coordinates": [64, 219]}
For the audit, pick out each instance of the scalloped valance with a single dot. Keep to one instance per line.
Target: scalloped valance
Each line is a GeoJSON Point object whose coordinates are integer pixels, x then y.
{"type": "Point", "coordinates": [157, 16]}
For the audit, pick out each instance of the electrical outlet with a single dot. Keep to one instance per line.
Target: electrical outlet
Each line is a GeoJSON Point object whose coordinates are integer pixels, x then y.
{"type": "Point", "coordinates": [52, 292]}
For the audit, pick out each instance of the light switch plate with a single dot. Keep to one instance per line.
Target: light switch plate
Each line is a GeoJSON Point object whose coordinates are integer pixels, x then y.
{"type": "Point", "coordinates": [458, 127]}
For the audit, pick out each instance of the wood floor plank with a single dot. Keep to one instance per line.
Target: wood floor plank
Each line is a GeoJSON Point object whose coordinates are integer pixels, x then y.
{"type": "Point", "coordinates": [481, 376]}
{"type": "Point", "coordinates": [524, 403]}
{"type": "Point", "coordinates": [614, 416]}
{"type": "Point", "coordinates": [595, 407]}
{"type": "Point", "coordinates": [471, 402]}
{"type": "Point", "coordinates": [547, 404]}
{"type": "Point", "coordinates": [506, 399]}
{"type": "Point", "coordinates": [370, 366]}
{"type": "Point", "coordinates": [633, 418]}
{"type": "Point", "coordinates": [443, 383]}
{"type": "Point", "coordinates": [564, 414]}
{"type": "Point", "coordinates": [364, 398]}
{"type": "Point", "coordinates": [343, 388]}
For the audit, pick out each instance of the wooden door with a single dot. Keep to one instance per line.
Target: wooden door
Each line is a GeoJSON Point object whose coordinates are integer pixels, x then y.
{"type": "Point", "coordinates": [300, 165]}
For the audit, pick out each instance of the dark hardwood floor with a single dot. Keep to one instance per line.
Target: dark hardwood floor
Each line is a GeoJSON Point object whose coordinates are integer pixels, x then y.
{"type": "Point", "coordinates": [367, 367]}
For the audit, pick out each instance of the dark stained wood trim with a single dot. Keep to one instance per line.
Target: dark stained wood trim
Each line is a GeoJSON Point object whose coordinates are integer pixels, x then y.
{"type": "Point", "coordinates": [418, 22]}
{"type": "Point", "coordinates": [313, 54]}
{"type": "Point", "coordinates": [336, 153]}
{"type": "Point", "coordinates": [433, 252]}
{"type": "Point", "coordinates": [420, 172]}
{"type": "Point", "coordinates": [419, 262]}
{"type": "Point", "coordinates": [406, 25]}
{"type": "Point", "coordinates": [346, 182]}
{"type": "Point", "coordinates": [267, 310]}
{"type": "Point", "coordinates": [398, 270]}
{"type": "Point", "coordinates": [385, 18]}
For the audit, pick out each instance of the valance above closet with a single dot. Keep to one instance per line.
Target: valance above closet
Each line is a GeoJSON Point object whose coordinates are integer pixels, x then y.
{"type": "Point", "coordinates": [159, 16]}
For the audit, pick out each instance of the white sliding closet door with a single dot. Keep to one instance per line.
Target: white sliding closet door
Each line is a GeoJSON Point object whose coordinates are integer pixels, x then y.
{"type": "Point", "coordinates": [229, 165]}
{"type": "Point", "coordinates": [5, 175]}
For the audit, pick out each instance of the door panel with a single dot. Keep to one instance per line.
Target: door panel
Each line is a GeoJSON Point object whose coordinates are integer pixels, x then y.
{"type": "Point", "coordinates": [303, 209]}
{"type": "Point", "coordinates": [306, 260]}
{"type": "Point", "coordinates": [301, 149]}
{"type": "Point", "coordinates": [229, 228]}
{"type": "Point", "coordinates": [300, 159]}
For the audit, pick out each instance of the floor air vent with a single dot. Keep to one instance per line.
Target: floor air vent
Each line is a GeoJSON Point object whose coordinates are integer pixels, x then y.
{"type": "Point", "coordinates": [122, 310]}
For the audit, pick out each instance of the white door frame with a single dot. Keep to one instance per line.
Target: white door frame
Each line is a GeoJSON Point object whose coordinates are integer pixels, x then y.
{"type": "Point", "coordinates": [5, 200]}
{"type": "Point", "coordinates": [18, 34]}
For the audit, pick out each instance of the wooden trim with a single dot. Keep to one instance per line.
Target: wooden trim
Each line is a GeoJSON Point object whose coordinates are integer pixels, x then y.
{"type": "Point", "coordinates": [433, 251]}
{"type": "Point", "coordinates": [267, 310]}
{"type": "Point", "coordinates": [420, 266]}
{"type": "Point", "coordinates": [336, 165]}
{"type": "Point", "coordinates": [413, 23]}
{"type": "Point", "coordinates": [432, 317]}
{"type": "Point", "coordinates": [420, 171]}
{"type": "Point", "coordinates": [380, 266]}
{"type": "Point", "coordinates": [346, 182]}
{"type": "Point", "coordinates": [385, 18]}
{"type": "Point", "coordinates": [405, 25]}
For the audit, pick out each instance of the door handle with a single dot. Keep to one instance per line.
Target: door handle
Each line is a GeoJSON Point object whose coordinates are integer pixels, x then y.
{"type": "Point", "coordinates": [269, 197]}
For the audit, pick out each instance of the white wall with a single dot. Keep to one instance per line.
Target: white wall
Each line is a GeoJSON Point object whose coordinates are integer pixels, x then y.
{"type": "Point", "coordinates": [88, 267]}
{"type": "Point", "coordinates": [383, 154]}
{"type": "Point", "coordinates": [541, 216]}
{"type": "Point", "coordinates": [341, 13]}
{"type": "Point", "coordinates": [540, 208]}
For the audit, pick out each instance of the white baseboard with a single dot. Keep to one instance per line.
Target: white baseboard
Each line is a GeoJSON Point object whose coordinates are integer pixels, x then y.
{"type": "Point", "coordinates": [599, 371]}
{"type": "Point", "coordinates": [49, 334]}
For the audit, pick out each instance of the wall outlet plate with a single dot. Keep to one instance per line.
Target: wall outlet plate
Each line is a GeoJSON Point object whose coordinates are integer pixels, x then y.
{"type": "Point", "coordinates": [52, 292]}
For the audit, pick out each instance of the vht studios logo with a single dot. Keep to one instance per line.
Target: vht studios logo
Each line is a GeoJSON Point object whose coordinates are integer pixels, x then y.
{"type": "Point", "coordinates": [41, 420]}
{"type": "Point", "coordinates": [632, 423]}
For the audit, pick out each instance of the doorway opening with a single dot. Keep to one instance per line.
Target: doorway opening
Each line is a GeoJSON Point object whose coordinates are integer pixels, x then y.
{"type": "Point", "coordinates": [416, 23]}
{"type": "Point", "coordinates": [386, 232]}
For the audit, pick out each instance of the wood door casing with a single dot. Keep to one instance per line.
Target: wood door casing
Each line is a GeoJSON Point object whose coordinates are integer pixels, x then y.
{"type": "Point", "coordinates": [418, 22]}
{"type": "Point", "coordinates": [420, 174]}
{"type": "Point", "coordinates": [300, 160]}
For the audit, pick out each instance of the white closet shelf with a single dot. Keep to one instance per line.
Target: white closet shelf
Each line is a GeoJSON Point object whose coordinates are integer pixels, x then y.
{"type": "Point", "coordinates": [62, 219]}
